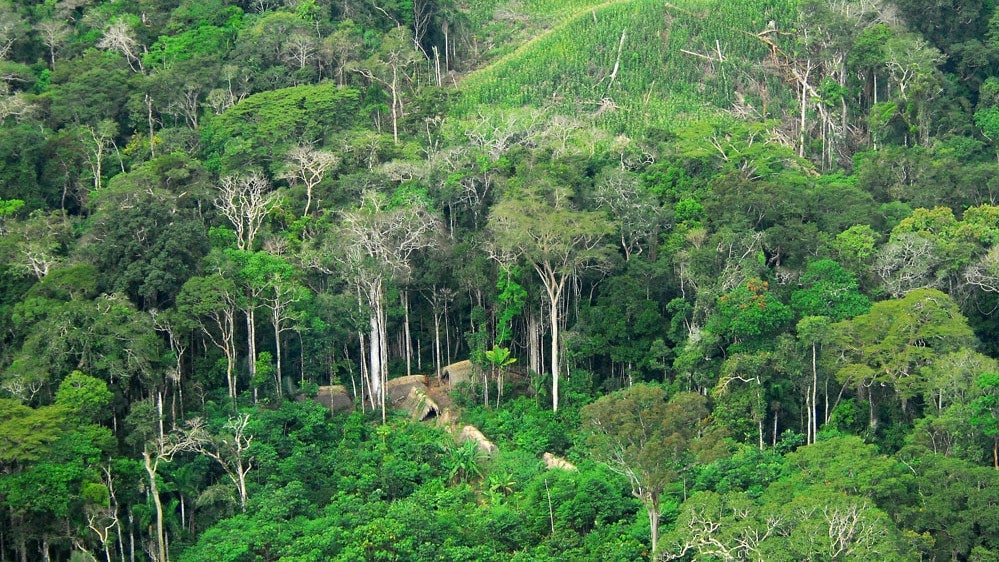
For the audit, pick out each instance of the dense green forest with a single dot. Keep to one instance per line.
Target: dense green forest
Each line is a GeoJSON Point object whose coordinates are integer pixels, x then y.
{"type": "Point", "coordinates": [725, 274]}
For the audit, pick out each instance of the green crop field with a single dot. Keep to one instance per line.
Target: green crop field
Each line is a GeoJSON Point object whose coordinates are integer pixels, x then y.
{"type": "Point", "coordinates": [674, 62]}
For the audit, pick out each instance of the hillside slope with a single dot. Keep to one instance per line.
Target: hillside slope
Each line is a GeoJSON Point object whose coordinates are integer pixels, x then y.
{"type": "Point", "coordinates": [635, 64]}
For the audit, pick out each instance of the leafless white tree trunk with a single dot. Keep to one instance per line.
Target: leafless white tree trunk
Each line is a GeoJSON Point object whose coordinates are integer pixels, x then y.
{"type": "Point", "coordinates": [309, 166]}
{"type": "Point", "coordinates": [245, 201]}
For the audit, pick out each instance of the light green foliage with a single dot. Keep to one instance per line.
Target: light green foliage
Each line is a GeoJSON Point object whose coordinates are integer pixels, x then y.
{"type": "Point", "coordinates": [7, 209]}
{"type": "Point", "coordinates": [985, 411]}
{"type": "Point", "coordinates": [816, 524]}
{"type": "Point", "coordinates": [829, 290]}
{"type": "Point", "coordinates": [263, 127]}
{"type": "Point", "coordinates": [511, 298]}
{"type": "Point", "coordinates": [27, 432]}
{"type": "Point", "coordinates": [847, 465]}
{"type": "Point", "coordinates": [201, 29]}
{"type": "Point", "coordinates": [952, 378]}
{"type": "Point", "coordinates": [898, 339]}
{"type": "Point", "coordinates": [84, 396]}
{"type": "Point", "coordinates": [655, 84]}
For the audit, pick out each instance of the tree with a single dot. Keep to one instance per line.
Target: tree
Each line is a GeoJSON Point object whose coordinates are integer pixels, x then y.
{"type": "Point", "coordinates": [813, 331]}
{"type": "Point", "coordinates": [897, 340]}
{"type": "Point", "coordinates": [309, 166]}
{"type": "Point", "coordinates": [245, 201]}
{"type": "Point", "coordinates": [388, 67]}
{"type": "Point", "coordinates": [750, 316]}
{"type": "Point", "coordinates": [119, 37]}
{"type": "Point", "coordinates": [985, 411]}
{"type": "Point", "coordinates": [636, 213]}
{"type": "Point", "coordinates": [811, 523]}
{"type": "Point", "coordinates": [53, 33]}
{"type": "Point", "coordinates": [378, 242]}
{"type": "Point", "coordinates": [147, 234]}
{"type": "Point", "coordinates": [229, 449]}
{"type": "Point", "coordinates": [212, 301]}
{"type": "Point", "coordinates": [282, 293]}
{"type": "Point", "coordinates": [829, 290]}
{"type": "Point", "coordinates": [558, 242]}
{"type": "Point", "coordinates": [161, 450]}
{"type": "Point", "coordinates": [650, 440]}
{"type": "Point", "coordinates": [39, 242]}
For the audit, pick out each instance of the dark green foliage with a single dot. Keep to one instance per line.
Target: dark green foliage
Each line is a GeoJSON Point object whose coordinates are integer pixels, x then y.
{"type": "Point", "coordinates": [151, 231]}
{"type": "Point", "coordinates": [89, 89]}
{"type": "Point", "coordinates": [786, 208]}
{"type": "Point", "coordinates": [22, 155]}
{"type": "Point", "coordinates": [956, 505]}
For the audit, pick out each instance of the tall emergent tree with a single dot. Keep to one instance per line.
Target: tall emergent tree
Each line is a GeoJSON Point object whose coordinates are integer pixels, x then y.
{"type": "Point", "coordinates": [652, 441]}
{"type": "Point", "coordinates": [557, 241]}
{"type": "Point", "coordinates": [378, 241]}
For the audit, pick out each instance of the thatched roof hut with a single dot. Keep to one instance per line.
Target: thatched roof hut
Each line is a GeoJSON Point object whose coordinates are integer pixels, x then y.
{"type": "Point", "coordinates": [335, 398]}
{"type": "Point", "coordinates": [551, 461]}
{"type": "Point", "coordinates": [456, 373]}
{"type": "Point", "coordinates": [419, 405]}
{"type": "Point", "coordinates": [398, 389]}
{"type": "Point", "coordinates": [471, 433]}
{"type": "Point", "coordinates": [413, 395]}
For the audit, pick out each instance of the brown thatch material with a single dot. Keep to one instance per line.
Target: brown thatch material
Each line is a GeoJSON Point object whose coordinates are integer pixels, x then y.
{"type": "Point", "coordinates": [335, 398]}
{"type": "Point", "coordinates": [456, 373]}
{"type": "Point", "coordinates": [397, 390]}
{"type": "Point", "coordinates": [471, 433]}
{"type": "Point", "coordinates": [551, 461]}
{"type": "Point", "coordinates": [413, 395]}
{"type": "Point", "coordinates": [419, 405]}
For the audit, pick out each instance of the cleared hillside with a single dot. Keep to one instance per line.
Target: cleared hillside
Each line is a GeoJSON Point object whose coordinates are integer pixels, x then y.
{"type": "Point", "coordinates": [635, 64]}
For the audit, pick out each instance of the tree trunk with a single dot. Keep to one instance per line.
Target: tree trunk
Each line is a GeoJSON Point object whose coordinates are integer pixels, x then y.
{"type": "Point", "coordinates": [251, 341]}
{"type": "Point", "coordinates": [374, 364]}
{"type": "Point", "coordinates": [404, 297]}
{"type": "Point", "coordinates": [383, 349]}
{"type": "Point", "coordinates": [815, 384]}
{"type": "Point", "coordinates": [437, 345]}
{"type": "Point", "coordinates": [532, 344]}
{"type": "Point", "coordinates": [241, 483]}
{"type": "Point", "coordinates": [395, 105]}
{"type": "Point", "coordinates": [553, 316]}
{"type": "Point", "coordinates": [653, 508]}
{"type": "Point", "coordinates": [154, 491]}
{"type": "Point", "coordinates": [277, 350]}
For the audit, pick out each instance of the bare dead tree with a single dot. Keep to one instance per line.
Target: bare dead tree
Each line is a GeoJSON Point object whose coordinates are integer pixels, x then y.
{"type": "Point", "coordinates": [119, 37]}
{"type": "Point", "coordinates": [245, 201]}
{"type": "Point", "coordinates": [53, 33]}
{"type": "Point", "coordinates": [300, 50]}
{"type": "Point", "coordinates": [309, 166]}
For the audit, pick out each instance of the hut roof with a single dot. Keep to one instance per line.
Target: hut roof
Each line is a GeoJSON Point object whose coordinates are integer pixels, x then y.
{"type": "Point", "coordinates": [398, 389]}
{"type": "Point", "coordinates": [335, 398]}
{"type": "Point", "coordinates": [458, 372]}
{"type": "Point", "coordinates": [472, 433]}
{"type": "Point", "coordinates": [419, 405]}
{"type": "Point", "coordinates": [551, 461]}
